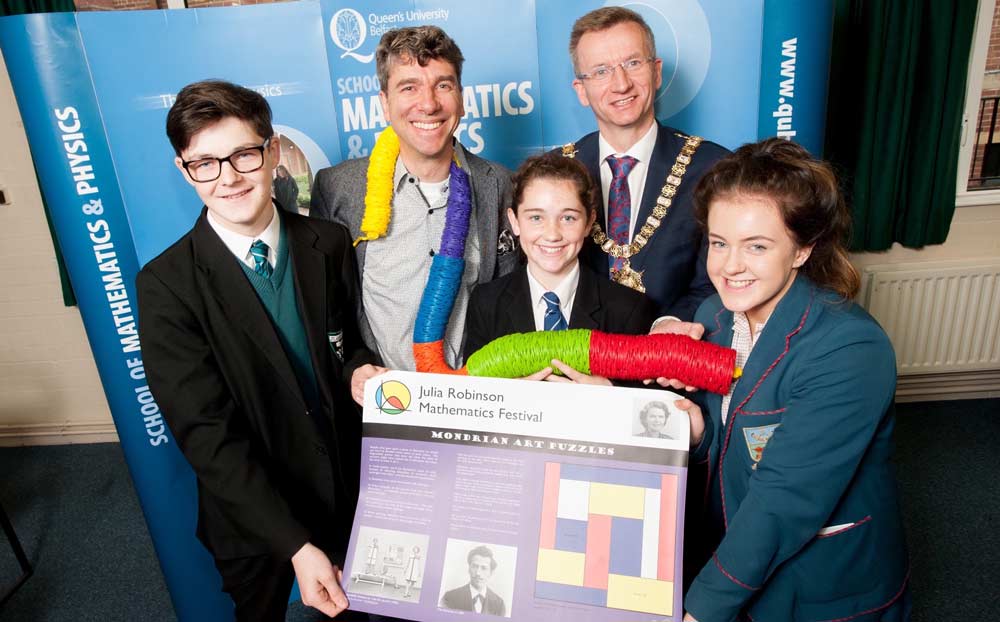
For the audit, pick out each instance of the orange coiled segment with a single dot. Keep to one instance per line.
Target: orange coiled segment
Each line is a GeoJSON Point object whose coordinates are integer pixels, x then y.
{"type": "Point", "coordinates": [429, 357]}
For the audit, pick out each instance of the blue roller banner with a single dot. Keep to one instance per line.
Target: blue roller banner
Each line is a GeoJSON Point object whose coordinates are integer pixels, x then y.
{"type": "Point", "coordinates": [94, 88]}
{"type": "Point", "coordinates": [48, 68]}
{"type": "Point", "coordinates": [795, 62]}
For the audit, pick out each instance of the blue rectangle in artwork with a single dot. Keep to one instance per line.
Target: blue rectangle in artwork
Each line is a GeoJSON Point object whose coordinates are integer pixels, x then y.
{"type": "Point", "coordinates": [604, 475]}
{"type": "Point", "coordinates": [626, 539]}
{"type": "Point", "coordinates": [571, 535]}
{"type": "Point", "coordinates": [571, 593]}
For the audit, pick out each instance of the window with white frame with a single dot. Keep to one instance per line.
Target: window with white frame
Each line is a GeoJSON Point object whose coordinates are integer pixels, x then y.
{"type": "Point", "coordinates": [979, 157]}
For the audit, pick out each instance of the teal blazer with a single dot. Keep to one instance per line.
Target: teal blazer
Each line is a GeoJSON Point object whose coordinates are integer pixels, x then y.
{"type": "Point", "coordinates": [802, 495]}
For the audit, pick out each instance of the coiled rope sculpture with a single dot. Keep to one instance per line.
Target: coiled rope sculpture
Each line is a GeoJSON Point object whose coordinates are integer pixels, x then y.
{"type": "Point", "coordinates": [621, 357]}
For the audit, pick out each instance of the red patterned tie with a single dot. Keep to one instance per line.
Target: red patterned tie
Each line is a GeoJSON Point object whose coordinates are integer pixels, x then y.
{"type": "Point", "coordinates": [619, 204]}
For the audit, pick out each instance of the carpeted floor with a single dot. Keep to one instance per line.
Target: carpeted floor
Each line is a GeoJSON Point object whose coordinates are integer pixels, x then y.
{"type": "Point", "coordinates": [947, 454]}
{"type": "Point", "coordinates": [78, 518]}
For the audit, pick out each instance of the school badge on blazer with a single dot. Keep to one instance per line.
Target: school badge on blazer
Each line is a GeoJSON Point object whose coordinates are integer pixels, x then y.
{"type": "Point", "coordinates": [337, 343]}
{"type": "Point", "coordinates": [757, 439]}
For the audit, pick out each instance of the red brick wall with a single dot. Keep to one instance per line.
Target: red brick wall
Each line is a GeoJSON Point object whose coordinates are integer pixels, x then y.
{"type": "Point", "coordinates": [993, 55]}
{"type": "Point", "coordinates": [990, 89]}
{"type": "Point", "coordinates": [119, 5]}
{"type": "Point", "coordinates": [194, 4]}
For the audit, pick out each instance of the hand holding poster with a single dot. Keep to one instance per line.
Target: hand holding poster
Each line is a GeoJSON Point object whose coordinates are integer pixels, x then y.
{"type": "Point", "coordinates": [525, 500]}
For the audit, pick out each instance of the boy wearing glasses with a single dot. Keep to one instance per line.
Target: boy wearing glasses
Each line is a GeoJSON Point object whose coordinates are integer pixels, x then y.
{"type": "Point", "coordinates": [639, 164]}
{"type": "Point", "coordinates": [250, 343]}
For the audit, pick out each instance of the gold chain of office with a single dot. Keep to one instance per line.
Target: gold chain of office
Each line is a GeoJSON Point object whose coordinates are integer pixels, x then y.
{"type": "Point", "coordinates": [626, 275]}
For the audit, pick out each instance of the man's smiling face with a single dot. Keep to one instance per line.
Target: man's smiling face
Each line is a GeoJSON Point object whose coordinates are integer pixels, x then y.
{"type": "Point", "coordinates": [625, 101]}
{"type": "Point", "coordinates": [424, 106]}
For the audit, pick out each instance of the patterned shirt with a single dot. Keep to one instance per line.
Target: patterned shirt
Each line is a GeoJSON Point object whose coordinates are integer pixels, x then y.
{"type": "Point", "coordinates": [743, 342]}
{"type": "Point", "coordinates": [396, 269]}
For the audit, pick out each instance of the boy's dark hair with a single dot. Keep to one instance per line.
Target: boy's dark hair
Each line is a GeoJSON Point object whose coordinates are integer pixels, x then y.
{"type": "Point", "coordinates": [553, 165]}
{"type": "Point", "coordinates": [205, 103]}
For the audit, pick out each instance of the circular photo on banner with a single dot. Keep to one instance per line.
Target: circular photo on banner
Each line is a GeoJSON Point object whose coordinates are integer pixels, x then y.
{"type": "Point", "coordinates": [292, 178]}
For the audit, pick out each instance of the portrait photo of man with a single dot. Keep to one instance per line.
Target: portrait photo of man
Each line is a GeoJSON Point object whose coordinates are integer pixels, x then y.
{"type": "Point", "coordinates": [476, 595]}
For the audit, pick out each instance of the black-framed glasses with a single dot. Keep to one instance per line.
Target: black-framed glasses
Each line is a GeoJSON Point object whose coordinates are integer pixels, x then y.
{"type": "Point", "coordinates": [245, 160]}
{"type": "Point", "coordinates": [603, 73]}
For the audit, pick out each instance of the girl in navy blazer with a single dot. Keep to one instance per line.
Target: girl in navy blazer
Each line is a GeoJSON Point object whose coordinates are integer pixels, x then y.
{"type": "Point", "coordinates": [552, 211]}
{"type": "Point", "coordinates": [802, 496]}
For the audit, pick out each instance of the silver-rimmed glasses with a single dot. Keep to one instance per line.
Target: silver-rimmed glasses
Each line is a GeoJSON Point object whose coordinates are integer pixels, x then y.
{"type": "Point", "coordinates": [603, 73]}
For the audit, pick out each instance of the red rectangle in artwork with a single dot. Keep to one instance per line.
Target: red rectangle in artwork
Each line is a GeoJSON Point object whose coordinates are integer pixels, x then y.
{"type": "Point", "coordinates": [668, 527]}
{"type": "Point", "coordinates": [550, 506]}
{"type": "Point", "coordinates": [598, 556]}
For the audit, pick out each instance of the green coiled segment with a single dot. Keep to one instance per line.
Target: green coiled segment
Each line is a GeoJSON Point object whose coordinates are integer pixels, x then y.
{"type": "Point", "coordinates": [522, 354]}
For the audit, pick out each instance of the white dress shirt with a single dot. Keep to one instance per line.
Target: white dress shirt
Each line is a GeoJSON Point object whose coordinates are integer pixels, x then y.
{"type": "Point", "coordinates": [239, 244]}
{"type": "Point", "coordinates": [477, 604]}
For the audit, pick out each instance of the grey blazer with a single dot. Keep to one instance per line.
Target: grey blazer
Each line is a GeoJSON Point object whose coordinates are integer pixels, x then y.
{"type": "Point", "coordinates": [338, 194]}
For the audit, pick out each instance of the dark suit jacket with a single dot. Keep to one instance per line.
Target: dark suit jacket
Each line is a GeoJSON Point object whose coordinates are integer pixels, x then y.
{"type": "Point", "coordinates": [673, 261]}
{"type": "Point", "coordinates": [460, 599]}
{"type": "Point", "coordinates": [338, 194]}
{"type": "Point", "coordinates": [806, 448]}
{"type": "Point", "coordinates": [272, 475]}
{"type": "Point", "coordinates": [503, 307]}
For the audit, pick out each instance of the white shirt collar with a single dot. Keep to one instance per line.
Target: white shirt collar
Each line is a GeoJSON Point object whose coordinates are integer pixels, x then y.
{"type": "Point", "coordinates": [476, 592]}
{"type": "Point", "coordinates": [642, 150]}
{"type": "Point", "coordinates": [400, 173]}
{"type": "Point", "coordinates": [239, 244]}
{"type": "Point", "coordinates": [566, 290]}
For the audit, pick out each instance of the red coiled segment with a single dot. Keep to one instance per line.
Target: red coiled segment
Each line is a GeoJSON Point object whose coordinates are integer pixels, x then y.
{"type": "Point", "coordinates": [637, 357]}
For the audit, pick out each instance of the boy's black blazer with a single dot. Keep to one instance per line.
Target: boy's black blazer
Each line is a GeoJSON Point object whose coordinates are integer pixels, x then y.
{"type": "Point", "coordinates": [272, 474]}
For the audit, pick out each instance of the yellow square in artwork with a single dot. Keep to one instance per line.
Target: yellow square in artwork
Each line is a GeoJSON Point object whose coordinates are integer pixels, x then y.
{"type": "Point", "coordinates": [638, 594]}
{"type": "Point", "coordinates": [617, 500]}
{"type": "Point", "coordinates": [565, 567]}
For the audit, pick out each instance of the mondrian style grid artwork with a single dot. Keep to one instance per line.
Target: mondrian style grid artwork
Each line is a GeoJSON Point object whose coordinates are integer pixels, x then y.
{"type": "Point", "coordinates": [608, 538]}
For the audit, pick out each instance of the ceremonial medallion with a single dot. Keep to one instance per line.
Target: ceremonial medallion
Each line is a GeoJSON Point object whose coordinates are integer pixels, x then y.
{"type": "Point", "coordinates": [627, 276]}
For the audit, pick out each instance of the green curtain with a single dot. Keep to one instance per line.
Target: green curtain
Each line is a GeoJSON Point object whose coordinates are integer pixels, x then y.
{"type": "Point", "coordinates": [19, 7]}
{"type": "Point", "coordinates": [894, 121]}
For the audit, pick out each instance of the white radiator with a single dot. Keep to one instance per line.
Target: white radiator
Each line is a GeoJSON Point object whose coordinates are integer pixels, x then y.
{"type": "Point", "coordinates": [941, 318]}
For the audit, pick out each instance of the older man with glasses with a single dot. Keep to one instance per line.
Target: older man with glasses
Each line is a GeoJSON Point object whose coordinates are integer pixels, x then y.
{"type": "Point", "coordinates": [250, 345]}
{"type": "Point", "coordinates": [645, 236]}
